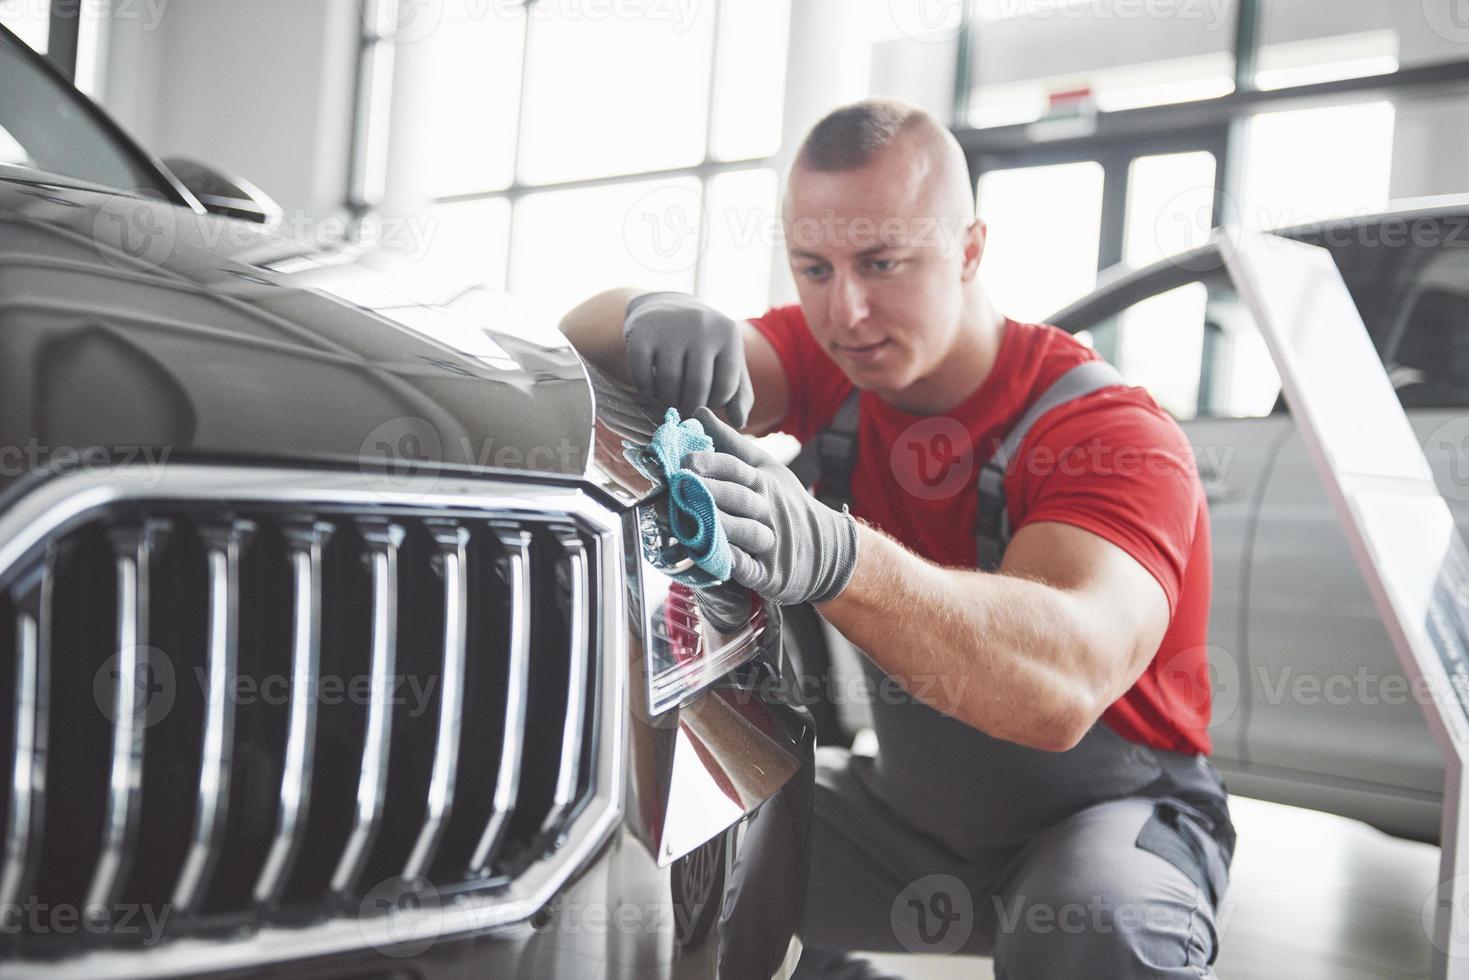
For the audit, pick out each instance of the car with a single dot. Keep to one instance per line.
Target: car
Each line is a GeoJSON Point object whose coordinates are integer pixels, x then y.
{"type": "Point", "coordinates": [1312, 706]}
{"type": "Point", "coordinates": [332, 647]}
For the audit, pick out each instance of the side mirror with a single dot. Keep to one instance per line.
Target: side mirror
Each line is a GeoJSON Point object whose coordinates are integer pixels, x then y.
{"type": "Point", "coordinates": [224, 193]}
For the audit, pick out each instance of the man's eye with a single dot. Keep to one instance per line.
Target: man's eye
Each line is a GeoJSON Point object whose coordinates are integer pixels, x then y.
{"type": "Point", "coordinates": [885, 265]}
{"type": "Point", "coordinates": [814, 271]}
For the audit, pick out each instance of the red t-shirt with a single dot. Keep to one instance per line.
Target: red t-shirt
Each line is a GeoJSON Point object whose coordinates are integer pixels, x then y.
{"type": "Point", "coordinates": [1112, 462]}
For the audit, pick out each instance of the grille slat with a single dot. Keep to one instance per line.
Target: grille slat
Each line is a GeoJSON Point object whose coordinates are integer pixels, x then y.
{"type": "Point", "coordinates": [344, 690]}
{"type": "Point", "coordinates": [31, 598]}
{"type": "Point", "coordinates": [223, 545]}
{"type": "Point", "coordinates": [452, 542]}
{"type": "Point", "coordinates": [307, 543]}
{"type": "Point", "coordinates": [134, 548]}
{"type": "Point", "coordinates": [516, 543]}
{"type": "Point", "coordinates": [569, 776]}
{"type": "Point", "coordinates": [383, 543]}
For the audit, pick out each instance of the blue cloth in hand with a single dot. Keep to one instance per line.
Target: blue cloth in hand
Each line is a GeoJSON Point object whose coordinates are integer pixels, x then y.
{"type": "Point", "coordinates": [691, 511]}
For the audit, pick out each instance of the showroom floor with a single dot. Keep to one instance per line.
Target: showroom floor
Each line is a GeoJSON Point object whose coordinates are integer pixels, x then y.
{"type": "Point", "coordinates": [1312, 897]}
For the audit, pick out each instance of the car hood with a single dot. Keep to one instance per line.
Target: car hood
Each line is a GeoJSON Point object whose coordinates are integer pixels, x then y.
{"type": "Point", "coordinates": [142, 328]}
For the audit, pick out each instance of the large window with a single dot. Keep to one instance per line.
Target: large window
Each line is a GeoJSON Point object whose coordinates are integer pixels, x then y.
{"type": "Point", "coordinates": [1043, 228]}
{"type": "Point", "coordinates": [1126, 133]}
{"type": "Point", "coordinates": [1304, 165]}
{"type": "Point", "coordinates": [69, 31]}
{"type": "Point", "coordinates": [29, 20]}
{"type": "Point", "coordinates": [575, 147]}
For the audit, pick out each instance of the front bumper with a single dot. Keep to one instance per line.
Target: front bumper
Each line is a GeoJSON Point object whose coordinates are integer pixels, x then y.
{"type": "Point", "coordinates": [695, 865]}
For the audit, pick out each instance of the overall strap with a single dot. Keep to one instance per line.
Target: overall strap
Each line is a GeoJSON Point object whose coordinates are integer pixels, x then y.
{"type": "Point", "coordinates": [992, 527]}
{"type": "Point", "coordinates": [828, 458]}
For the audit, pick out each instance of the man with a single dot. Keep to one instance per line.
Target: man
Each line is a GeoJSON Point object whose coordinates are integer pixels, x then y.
{"type": "Point", "coordinates": [1040, 791]}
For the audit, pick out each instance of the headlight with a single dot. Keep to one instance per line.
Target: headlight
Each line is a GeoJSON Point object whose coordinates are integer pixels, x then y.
{"type": "Point", "coordinates": [692, 636]}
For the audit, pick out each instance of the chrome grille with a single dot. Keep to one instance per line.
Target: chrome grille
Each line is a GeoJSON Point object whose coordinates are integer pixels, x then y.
{"type": "Point", "coordinates": [252, 698]}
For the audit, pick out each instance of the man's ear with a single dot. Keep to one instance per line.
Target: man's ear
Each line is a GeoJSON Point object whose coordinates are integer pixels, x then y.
{"type": "Point", "coordinates": [974, 240]}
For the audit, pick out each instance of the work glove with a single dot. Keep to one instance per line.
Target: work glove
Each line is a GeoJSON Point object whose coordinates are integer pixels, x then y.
{"type": "Point", "coordinates": [786, 545]}
{"type": "Point", "coordinates": [686, 355]}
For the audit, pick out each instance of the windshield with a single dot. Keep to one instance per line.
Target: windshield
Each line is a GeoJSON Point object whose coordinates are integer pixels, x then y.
{"type": "Point", "coordinates": [45, 126]}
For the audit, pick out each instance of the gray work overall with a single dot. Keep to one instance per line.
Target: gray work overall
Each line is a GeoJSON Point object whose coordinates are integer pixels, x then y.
{"type": "Point", "coordinates": [1107, 860]}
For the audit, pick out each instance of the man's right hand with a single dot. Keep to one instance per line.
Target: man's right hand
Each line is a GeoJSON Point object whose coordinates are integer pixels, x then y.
{"type": "Point", "coordinates": [683, 353]}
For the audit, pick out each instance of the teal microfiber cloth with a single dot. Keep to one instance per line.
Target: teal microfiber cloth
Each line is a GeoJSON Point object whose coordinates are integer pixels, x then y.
{"type": "Point", "coordinates": [692, 515]}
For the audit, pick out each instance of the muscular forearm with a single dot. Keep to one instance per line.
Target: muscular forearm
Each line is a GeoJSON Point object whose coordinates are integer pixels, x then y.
{"type": "Point", "coordinates": [595, 330]}
{"type": "Point", "coordinates": [1016, 658]}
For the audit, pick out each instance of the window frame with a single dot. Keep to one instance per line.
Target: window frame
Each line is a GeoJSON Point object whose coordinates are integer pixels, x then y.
{"type": "Point", "coordinates": [1216, 124]}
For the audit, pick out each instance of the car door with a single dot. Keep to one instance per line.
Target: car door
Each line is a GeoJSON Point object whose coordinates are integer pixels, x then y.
{"type": "Point", "coordinates": [1188, 339]}
{"type": "Point", "coordinates": [1332, 712]}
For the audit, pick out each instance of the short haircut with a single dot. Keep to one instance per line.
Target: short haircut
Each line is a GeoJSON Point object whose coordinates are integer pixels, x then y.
{"type": "Point", "coordinates": [850, 137]}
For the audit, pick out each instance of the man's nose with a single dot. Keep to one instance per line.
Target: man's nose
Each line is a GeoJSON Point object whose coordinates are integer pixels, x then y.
{"type": "Point", "coordinates": [848, 301]}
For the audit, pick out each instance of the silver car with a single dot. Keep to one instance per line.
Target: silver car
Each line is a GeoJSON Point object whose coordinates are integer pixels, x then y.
{"type": "Point", "coordinates": [1311, 705]}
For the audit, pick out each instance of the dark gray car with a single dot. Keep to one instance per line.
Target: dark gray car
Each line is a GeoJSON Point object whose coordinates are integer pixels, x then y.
{"type": "Point", "coordinates": [328, 645]}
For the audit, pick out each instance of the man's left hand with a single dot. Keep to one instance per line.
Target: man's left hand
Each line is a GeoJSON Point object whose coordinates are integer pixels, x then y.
{"type": "Point", "coordinates": [788, 546]}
